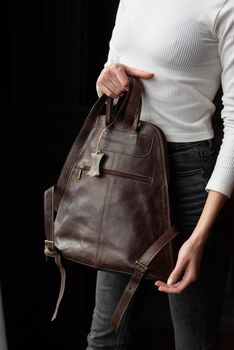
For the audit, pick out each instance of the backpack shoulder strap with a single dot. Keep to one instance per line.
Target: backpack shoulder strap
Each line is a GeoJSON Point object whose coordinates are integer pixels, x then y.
{"type": "Point", "coordinates": [49, 248]}
{"type": "Point", "coordinates": [141, 266]}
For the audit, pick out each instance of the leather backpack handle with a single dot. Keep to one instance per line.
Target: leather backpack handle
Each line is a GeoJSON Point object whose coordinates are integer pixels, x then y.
{"type": "Point", "coordinates": [128, 108]}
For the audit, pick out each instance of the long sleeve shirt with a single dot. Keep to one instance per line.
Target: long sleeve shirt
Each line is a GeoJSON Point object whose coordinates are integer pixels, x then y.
{"type": "Point", "coordinates": [189, 45]}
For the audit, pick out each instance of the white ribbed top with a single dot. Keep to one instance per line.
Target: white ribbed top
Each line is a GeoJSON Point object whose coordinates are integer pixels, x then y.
{"type": "Point", "coordinates": [189, 45]}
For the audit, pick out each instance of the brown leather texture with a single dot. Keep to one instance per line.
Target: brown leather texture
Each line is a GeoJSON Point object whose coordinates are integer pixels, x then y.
{"type": "Point", "coordinates": [109, 221]}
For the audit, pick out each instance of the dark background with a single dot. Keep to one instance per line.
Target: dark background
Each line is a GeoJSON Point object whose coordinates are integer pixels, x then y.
{"type": "Point", "coordinates": [56, 49]}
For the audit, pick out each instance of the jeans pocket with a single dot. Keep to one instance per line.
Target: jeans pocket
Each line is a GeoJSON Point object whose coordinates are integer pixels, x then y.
{"type": "Point", "coordinates": [187, 173]}
{"type": "Point", "coordinates": [208, 153]}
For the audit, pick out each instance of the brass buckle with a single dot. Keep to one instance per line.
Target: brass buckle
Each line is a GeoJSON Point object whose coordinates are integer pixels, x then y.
{"type": "Point", "coordinates": [140, 267]}
{"type": "Point", "coordinates": [49, 244]}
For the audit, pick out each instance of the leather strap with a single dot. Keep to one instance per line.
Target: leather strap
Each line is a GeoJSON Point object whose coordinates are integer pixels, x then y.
{"type": "Point", "coordinates": [49, 215]}
{"type": "Point", "coordinates": [129, 112]}
{"type": "Point", "coordinates": [140, 270]}
{"type": "Point", "coordinates": [57, 259]}
{"type": "Point", "coordinates": [76, 149]}
{"type": "Point", "coordinates": [50, 249]}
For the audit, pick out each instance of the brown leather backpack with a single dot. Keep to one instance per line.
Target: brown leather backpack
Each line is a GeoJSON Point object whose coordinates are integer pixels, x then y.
{"type": "Point", "coordinates": [110, 208]}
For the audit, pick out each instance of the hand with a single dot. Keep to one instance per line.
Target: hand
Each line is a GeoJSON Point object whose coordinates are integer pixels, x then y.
{"type": "Point", "coordinates": [186, 270]}
{"type": "Point", "coordinates": [188, 262]}
{"type": "Point", "coordinates": [113, 80]}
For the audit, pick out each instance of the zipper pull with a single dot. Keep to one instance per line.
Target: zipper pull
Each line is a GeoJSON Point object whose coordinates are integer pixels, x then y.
{"type": "Point", "coordinates": [81, 168]}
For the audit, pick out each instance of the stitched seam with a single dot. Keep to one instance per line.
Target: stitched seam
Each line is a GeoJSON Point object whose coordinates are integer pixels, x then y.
{"type": "Point", "coordinates": [101, 218]}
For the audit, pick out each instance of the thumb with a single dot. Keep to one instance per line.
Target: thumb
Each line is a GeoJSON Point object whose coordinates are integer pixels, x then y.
{"type": "Point", "coordinates": [175, 274]}
{"type": "Point", "coordinates": [139, 73]}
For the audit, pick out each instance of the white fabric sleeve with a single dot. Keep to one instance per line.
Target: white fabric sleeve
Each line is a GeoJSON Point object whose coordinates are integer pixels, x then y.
{"type": "Point", "coordinates": [222, 178]}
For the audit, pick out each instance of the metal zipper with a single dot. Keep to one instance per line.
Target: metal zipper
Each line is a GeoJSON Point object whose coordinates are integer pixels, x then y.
{"type": "Point", "coordinates": [142, 178]}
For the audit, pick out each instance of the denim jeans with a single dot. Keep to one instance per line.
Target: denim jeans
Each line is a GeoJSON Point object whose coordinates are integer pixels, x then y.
{"type": "Point", "coordinates": [196, 312]}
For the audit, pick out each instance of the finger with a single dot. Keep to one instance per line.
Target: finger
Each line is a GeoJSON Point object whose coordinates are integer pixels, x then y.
{"type": "Point", "coordinates": [163, 287]}
{"type": "Point", "coordinates": [120, 79]}
{"type": "Point", "coordinates": [123, 80]}
{"type": "Point", "coordinates": [113, 87]}
{"type": "Point", "coordinates": [116, 74]}
{"type": "Point", "coordinates": [110, 80]}
{"type": "Point", "coordinates": [188, 278]}
{"type": "Point", "coordinates": [107, 91]}
{"type": "Point", "coordinates": [110, 84]}
{"type": "Point", "coordinates": [122, 72]}
{"type": "Point", "coordinates": [173, 277]}
{"type": "Point", "coordinates": [139, 73]}
{"type": "Point", "coordinates": [176, 288]}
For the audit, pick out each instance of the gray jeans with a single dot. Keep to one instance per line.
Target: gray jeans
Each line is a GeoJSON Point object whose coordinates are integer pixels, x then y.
{"type": "Point", "coordinates": [196, 312]}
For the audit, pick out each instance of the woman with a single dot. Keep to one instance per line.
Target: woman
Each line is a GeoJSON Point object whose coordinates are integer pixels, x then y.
{"type": "Point", "coordinates": [182, 50]}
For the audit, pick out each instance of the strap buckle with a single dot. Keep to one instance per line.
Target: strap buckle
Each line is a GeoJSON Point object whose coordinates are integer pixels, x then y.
{"type": "Point", "coordinates": [140, 267]}
{"type": "Point", "coordinates": [49, 245]}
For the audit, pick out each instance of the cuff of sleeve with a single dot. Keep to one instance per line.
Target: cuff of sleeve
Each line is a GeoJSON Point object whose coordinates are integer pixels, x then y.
{"type": "Point", "coordinates": [226, 190]}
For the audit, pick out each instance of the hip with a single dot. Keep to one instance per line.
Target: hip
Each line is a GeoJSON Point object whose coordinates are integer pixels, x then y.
{"type": "Point", "coordinates": [191, 165]}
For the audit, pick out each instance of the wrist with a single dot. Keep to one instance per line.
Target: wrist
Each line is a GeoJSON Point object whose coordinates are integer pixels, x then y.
{"type": "Point", "coordinates": [199, 237]}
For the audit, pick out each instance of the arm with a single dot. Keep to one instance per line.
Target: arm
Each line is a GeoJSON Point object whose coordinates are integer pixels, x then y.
{"type": "Point", "coordinates": [190, 254]}
{"type": "Point", "coordinates": [221, 182]}
{"type": "Point", "coordinates": [222, 178]}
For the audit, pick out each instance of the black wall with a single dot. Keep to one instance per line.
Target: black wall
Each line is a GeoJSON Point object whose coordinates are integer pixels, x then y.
{"type": "Point", "coordinates": [56, 51]}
